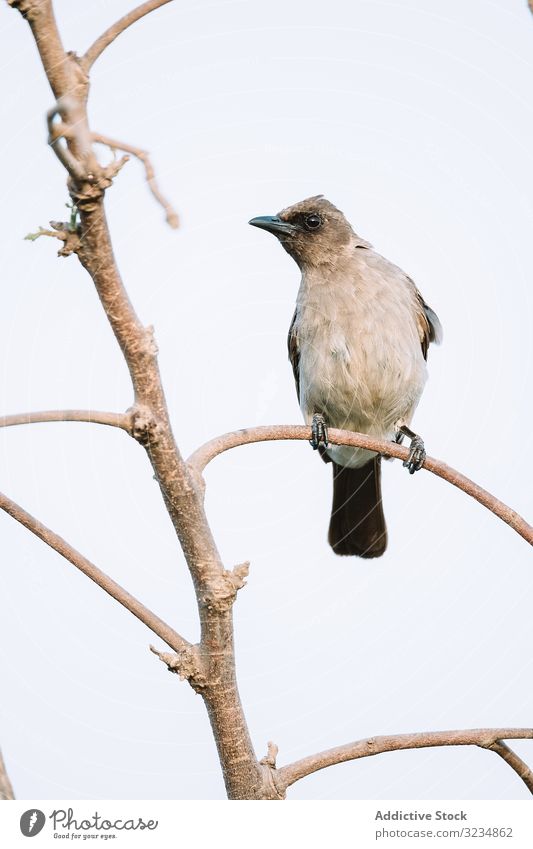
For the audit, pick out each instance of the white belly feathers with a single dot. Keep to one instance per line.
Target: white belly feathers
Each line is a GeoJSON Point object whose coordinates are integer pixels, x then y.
{"type": "Point", "coordinates": [361, 363]}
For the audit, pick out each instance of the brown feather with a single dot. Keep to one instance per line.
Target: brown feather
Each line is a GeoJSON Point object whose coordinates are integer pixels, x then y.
{"type": "Point", "coordinates": [294, 353]}
{"type": "Point", "coordinates": [429, 326]}
{"type": "Point", "coordinates": [357, 525]}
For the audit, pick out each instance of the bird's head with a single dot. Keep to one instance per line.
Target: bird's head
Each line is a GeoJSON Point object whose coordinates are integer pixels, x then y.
{"type": "Point", "coordinates": [313, 231]}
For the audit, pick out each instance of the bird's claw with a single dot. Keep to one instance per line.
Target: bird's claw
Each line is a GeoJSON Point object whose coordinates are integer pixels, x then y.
{"type": "Point", "coordinates": [319, 432]}
{"type": "Point", "coordinates": [417, 455]}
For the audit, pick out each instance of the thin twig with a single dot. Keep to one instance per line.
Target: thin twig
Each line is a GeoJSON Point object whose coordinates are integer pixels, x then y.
{"type": "Point", "coordinates": [6, 790]}
{"type": "Point", "coordinates": [98, 47]}
{"type": "Point", "coordinates": [514, 761]}
{"type": "Point", "coordinates": [58, 130]}
{"type": "Point", "coordinates": [486, 738]}
{"type": "Point", "coordinates": [207, 452]}
{"type": "Point", "coordinates": [171, 637]}
{"type": "Point", "coordinates": [120, 420]}
{"type": "Point", "coordinates": [170, 213]}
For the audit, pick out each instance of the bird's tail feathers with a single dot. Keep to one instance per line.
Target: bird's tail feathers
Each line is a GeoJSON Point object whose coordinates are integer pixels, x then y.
{"type": "Point", "coordinates": [357, 525]}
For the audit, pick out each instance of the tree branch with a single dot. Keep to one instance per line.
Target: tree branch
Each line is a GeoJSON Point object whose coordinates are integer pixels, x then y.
{"type": "Point", "coordinates": [170, 637]}
{"type": "Point", "coordinates": [170, 213]}
{"type": "Point", "coordinates": [120, 420]}
{"type": "Point", "coordinates": [486, 738]}
{"type": "Point", "coordinates": [215, 587]}
{"type": "Point", "coordinates": [207, 452]}
{"type": "Point", "coordinates": [6, 790]}
{"type": "Point", "coordinates": [41, 18]}
{"type": "Point", "coordinates": [514, 761]}
{"type": "Point", "coordinates": [96, 49]}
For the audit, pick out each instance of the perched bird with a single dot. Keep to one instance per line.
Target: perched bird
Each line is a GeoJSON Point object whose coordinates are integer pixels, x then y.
{"type": "Point", "coordinates": [358, 345]}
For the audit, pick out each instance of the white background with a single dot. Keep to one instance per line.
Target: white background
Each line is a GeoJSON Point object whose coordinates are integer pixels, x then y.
{"type": "Point", "coordinates": [415, 118]}
{"type": "Point", "coordinates": [333, 823]}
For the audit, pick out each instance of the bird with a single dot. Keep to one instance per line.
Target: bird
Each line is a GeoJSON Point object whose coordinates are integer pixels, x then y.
{"type": "Point", "coordinates": [358, 344]}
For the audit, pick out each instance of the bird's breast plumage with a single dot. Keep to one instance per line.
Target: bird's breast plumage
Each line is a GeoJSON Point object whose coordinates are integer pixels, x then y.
{"type": "Point", "coordinates": [360, 357]}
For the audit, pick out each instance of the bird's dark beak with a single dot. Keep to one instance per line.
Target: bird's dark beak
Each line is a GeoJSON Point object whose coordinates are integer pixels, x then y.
{"type": "Point", "coordinates": [273, 224]}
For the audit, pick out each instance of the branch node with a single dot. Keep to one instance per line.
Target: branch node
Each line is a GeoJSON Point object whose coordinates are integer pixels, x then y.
{"type": "Point", "coordinates": [113, 168]}
{"type": "Point", "coordinates": [198, 479]}
{"type": "Point", "coordinates": [273, 786]}
{"type": "Point", "coordinates": [143, 424]}
{"type": "Point", "coordinates": [151, 344]}
{"type": "Point", "coordinates": [88, 179]}
{"type": "Point", "coordinates": [222, 588]}
{"type": "Point", "coordinates": [71, 237]}
{"type": "Point", "coordinates": [271, 755]}
{"type": "Point", "coordinates": [489, 743]}
{"type": "Point", "coordinates": [60, 230]}
{"type": "Point", "coordinates": [186, 664]}
{"type": "Point", "coordinates": [23, 6]}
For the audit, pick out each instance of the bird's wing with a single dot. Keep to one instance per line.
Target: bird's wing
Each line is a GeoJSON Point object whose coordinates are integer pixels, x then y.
{"type": "Point", "coordinates": [429, 326]}
{"type": "Point", "coordinates": [294, 353]}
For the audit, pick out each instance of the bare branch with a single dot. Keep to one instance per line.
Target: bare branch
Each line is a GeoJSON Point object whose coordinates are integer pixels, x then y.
{"type": "Point", "coordinates": [486, 738]}
{"type": "Point", "coordinates": [58, 130]}
{"type": "Point", "coordinates": [514, 761]}
{"type": "Point", "coordinates": [120, 420]}
{"type": "Point", "coordinates": [203, 455]}
{"type": "Point", "coordinates": [215, 587]}
{"type": "Point", "coordinates": [183, 498]}
{"type": "Point", "coordinates": [42, 231]}
{"type": "Point", "coordinates": [6, 790]}
{"type": "Point", "coordinates": [170, 213]}
{"type": "Point", "coordinates": [96, 49]}
{"type": "Point", "coordinates": [170, 637]}
{"type": "Point", "coordinates": [65, 231]}
{"type": "Point", "coordinates": [41, 18]}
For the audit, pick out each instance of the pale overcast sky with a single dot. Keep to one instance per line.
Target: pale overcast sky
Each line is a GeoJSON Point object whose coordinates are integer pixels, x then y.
{"type": "Point", "coordinates": [416, 119]}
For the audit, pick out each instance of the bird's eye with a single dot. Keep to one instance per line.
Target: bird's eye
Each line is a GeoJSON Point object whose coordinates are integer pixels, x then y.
{"type": "Point", "coordinates": [313, 221]}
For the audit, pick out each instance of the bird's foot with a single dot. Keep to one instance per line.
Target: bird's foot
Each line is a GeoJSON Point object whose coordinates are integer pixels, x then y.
{"type": "Point", "coordinates": [417, 455]}
{"type": "Point", "coordinates": [417, 452]}
{"type": "Point", "coordinates": [319, 432]}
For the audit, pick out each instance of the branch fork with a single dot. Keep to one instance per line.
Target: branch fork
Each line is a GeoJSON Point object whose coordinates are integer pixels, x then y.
{"type": "Point", "coordinates": [187, 664]}
{"type": "Point", "coordinates": [144, 424]}
{"type": "Point", "coordinates": [60, 230]}
{"type": "Point", "coordinates": [221, 589]}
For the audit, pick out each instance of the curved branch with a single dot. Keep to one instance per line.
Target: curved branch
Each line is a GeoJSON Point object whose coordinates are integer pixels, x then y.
{"type": "Point", "coordinates": [203, 455]}
{"type": "Point", "coordinates": [157, 625]}
{"type": "Point", "coordinates": [514, 761]}
{"type": "Point", "coordinates": [120, 420]}
{"type": "Point", "coordinates": [170, 213]}
{"type": "Point", "coordinates": [96, 49]}
{"type": "Point", "coordinates": [485, 738]}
